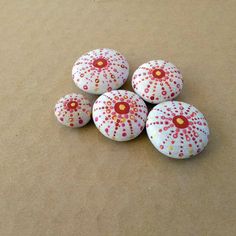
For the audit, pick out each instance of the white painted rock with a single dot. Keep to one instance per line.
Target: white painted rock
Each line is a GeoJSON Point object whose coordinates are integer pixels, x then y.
{"type": "Point", "coordinates": [177, 129]}
{"type": "Point", "coordinates": [120, 115]}
{"type": "Point", "coordinates": [157, 81]}
{"type": "Point", "coordinates": [73, 110]}
{"type": "Point", "coordinates": [100, 71]}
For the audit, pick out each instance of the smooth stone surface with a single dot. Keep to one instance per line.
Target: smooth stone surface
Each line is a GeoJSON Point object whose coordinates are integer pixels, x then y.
{"type": "Point", "coordinates": [100, 71]}
{"type": "Point", "coordinates": [73, 110]}
{"type": "Point", "coordinates": [120, 115]}
{"type": "Point", "coordinates": [157, 81]}
{"type": "Point", "coordinates": [177, 129]}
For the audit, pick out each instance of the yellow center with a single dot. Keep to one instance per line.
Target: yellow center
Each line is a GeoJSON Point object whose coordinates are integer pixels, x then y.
{"type": "Point", "coordinates": [100, 63]}
{"type": "Point", "coordinates": [123, 120]}
{"type": "Point", "coordinates": [121, 107]}
{"type": "Point", "coordinates": [180, 121]}
{"type": "Point", "coordinates": [72, 104]}
{"type": "Point", "coordinates": [158, 73]}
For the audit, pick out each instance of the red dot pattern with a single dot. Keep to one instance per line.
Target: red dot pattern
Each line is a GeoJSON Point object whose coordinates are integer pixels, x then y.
{"type": "Point", "coordinates": [100, 71]}
{"type": "Point", "coordinates": [117, 125]}
{"type": "Point", "coordinates": [73, 110]}
{"type": "Point", "coordinates": [156, 88]}
{"type": "Point", "coordinates": [173, 139]}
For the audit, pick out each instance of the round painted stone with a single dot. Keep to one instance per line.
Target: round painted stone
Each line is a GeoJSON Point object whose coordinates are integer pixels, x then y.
{"type": "Point", "coordinates": [177, 129]}
{"type": "Point", "coordinates": [157, 81]}
{"type": "Point", "coordinates": [120, 115]}
{"type": "Point", "coordinates": [100, 71]}
{"type": "Point", "coordinates": [73, 110]}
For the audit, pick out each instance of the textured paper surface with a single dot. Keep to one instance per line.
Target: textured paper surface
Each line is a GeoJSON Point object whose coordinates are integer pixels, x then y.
{"type": "Point", "coordinates": [60, 181]}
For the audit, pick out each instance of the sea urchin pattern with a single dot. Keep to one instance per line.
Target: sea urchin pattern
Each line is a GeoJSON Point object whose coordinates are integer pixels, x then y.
{"type": "Point", "coordinates": [100, 71]}
{"type": "Point", "coordinates": [157, 81]}
{"type": "Point", "coordinates": [177, 129]}
{"type": "Point", "coordinates": [120, 115]}
{"type": "Point", "coordinates": [73, 110]}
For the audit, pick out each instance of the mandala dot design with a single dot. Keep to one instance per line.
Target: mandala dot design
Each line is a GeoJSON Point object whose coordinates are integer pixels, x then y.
{"type": "Point", "coordinates": [120, 115]}
{"type": "Point", "coordinates": [177, 129]}
{"type": "Point", "coordinates": [100, 71]}
{"type": "Point", "coordinates": [73, 110]}
{"type": "Point", "coordinates": [157, 81]}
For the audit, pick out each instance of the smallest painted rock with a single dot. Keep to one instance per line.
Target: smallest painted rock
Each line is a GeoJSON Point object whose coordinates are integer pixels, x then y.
{"type": "Point", "coordinates": [73, 110]}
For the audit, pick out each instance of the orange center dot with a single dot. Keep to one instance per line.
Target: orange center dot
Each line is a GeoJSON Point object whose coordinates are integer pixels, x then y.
{"type": "Point", "coordinates": [100, 63]}
{"type": "Point", "coordinates": [122, 107]}
{"type": "Point", "coordinates": [179, 121]}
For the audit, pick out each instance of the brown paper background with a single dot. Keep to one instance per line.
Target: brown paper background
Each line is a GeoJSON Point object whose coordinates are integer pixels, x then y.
{"type": "Point", "coordinates": [60, 181]}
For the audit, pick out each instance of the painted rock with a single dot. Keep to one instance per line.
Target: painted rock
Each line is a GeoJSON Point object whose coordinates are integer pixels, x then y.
{"type": "Point", "coordinates": [73, 110]}
{"type": "Point", "coordinates": [157, 81]}
{"type": "Point", "coordinates": [177, 129]}
{"type": "Point", "coordinates": [120, 115]}
{"type": "Point", "coordinates": [100, 71]}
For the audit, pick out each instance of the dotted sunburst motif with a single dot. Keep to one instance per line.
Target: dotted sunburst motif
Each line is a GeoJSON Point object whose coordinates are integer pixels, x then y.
{"type": "Point", "coordinates": [73, 110]}
{"type": "Point", "coordinates": [120, 115]}
{"type": "Point", "coordinates": [100, 71]}
{"type": "Point", "coordinates": [177, 129]}
{"type": "Point", "coordinates": [157, 81]}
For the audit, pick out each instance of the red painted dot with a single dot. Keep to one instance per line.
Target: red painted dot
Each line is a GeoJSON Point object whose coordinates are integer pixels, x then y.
{"type": "Point", "coordinates": [122, 107]}
{"type": "Point", "coordinates": [100, 63]}
{"type": "Point", "coordinates": [158, 73]}
{"type": "Point", "coordinates": [180, 122]}
{"type": "Point", "coordinates": [72, 104]}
